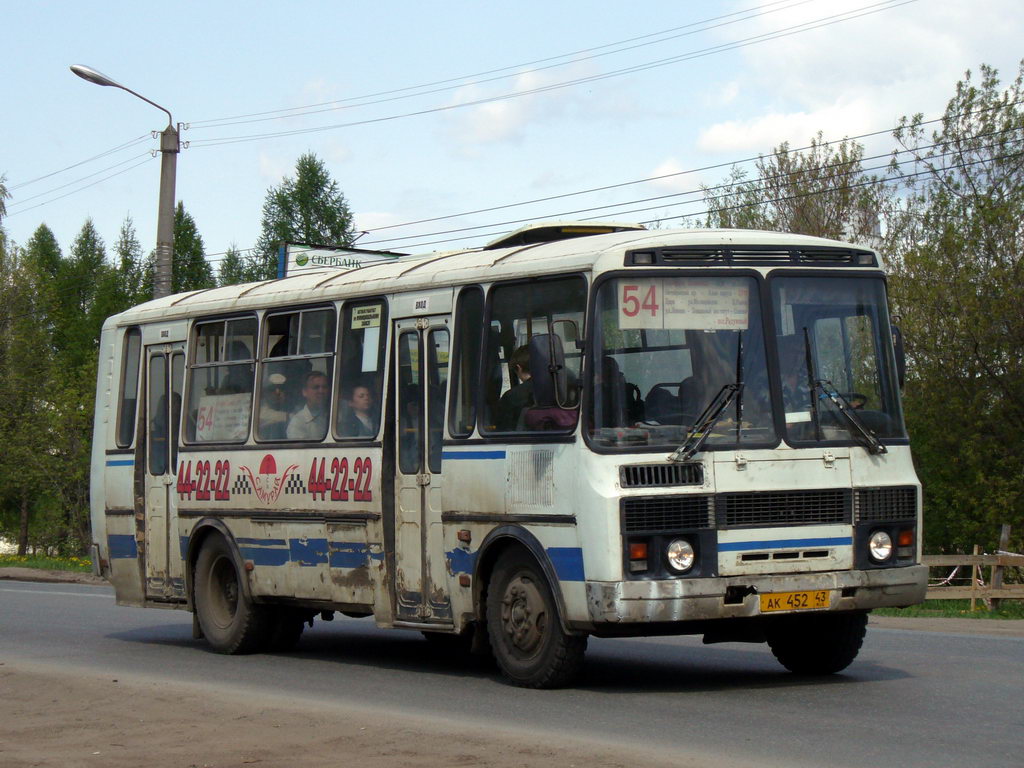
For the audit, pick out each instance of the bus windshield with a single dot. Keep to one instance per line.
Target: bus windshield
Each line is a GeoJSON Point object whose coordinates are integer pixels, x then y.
{"type": "Point", "coordinates": [665, 348]}
{"type": "Point", "coordinates": [835, 353]}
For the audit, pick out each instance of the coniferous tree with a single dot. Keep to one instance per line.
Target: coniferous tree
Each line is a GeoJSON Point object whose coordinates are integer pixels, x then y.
{"type": "Point", "coordinates": [232, 268]}
{"type": "Point", "coordinates": [191, 269]}
{"type": "Point", "coordinates": [309, 208]}
{"type": "Point", "coordinates": [130, 266]}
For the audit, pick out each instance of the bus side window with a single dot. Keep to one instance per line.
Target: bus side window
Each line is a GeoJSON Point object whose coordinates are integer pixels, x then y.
{"type": "Point", "coordinates": [129, 391]}
{"type": "Point", "coordinates": [520, 312]}
{"type": "Point", "coordinates": [220, 381]}
{"type": "Point", "coordinates": [360, 369]}
{"type": "Point", "coordinates": [295, 375]}
{"type": "Point", "coordinates": [469, 317]}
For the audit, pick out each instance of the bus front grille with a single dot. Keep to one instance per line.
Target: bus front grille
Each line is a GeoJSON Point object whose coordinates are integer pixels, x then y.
{"type": "Point", "coordinates": [661, 475]}
{"type": "Point", "coordinates": [818, 507]}
{"type": "Point", "coordinates": [666, 513]}
{"type": "Point", "coordinates": [880, 505]}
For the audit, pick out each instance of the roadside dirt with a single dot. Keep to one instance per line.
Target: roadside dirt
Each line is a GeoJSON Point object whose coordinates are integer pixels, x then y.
{"type": "Point", "coordinates": [57, 716]}
{"type": "Point", "coordinates": [54, 577]}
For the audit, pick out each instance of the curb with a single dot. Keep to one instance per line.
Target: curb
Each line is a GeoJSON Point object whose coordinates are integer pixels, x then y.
{"type": "Point", "coordinates": [51, 577]}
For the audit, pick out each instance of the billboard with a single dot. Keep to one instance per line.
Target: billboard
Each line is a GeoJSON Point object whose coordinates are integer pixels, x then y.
{"type": "Point", "coordinates": [300, 258]}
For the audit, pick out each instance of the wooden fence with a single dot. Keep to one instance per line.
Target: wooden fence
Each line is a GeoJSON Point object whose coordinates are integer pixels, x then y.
{"type": "Point", "coordinates": [977, 587]}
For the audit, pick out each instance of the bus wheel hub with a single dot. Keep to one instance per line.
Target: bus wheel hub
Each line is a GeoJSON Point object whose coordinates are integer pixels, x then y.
{"type": "Point", "coordinates": [523, 614]}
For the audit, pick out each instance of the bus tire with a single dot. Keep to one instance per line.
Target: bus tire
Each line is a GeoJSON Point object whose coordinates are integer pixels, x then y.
{"type": "Point", "coordinates": [820, 644]}
{"type": "Point", "coordinates": [230, 621]}
{"type": "Point", "coordinates": [526, 635]}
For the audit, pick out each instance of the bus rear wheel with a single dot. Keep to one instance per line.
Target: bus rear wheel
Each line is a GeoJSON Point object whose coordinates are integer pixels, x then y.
{"type": "Point", "coordinates": [230, 621]}
{"type": "Point", "coordinates": [818, 644]}
{"type": "Point", "coordinates": [526, 635]}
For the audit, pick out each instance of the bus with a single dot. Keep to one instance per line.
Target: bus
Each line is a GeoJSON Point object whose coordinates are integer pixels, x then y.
{"type": "Point", "coordinates": [580, 429]}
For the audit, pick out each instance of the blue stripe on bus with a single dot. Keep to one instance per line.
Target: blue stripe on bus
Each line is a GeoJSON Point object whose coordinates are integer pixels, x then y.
{"type": "Point", "coordinates": [265, 555]}
{"type": "Point", "coordinates": [464, 455]}
{"type": "Point", "coordinates": [567, 561]}
{"type": "Point", "coordinates": [308, 551]}
{"type": "Point", "coordinates": [744, 546]}
{"type": "Point", "coordinates": [122, 546]}
{"type": "Point", "coordinates": [348, 554]}
{"type": "Point", "coordinates": [120, 462]}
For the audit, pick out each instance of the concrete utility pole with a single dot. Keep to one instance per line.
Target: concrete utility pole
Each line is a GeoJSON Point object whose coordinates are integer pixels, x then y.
{"type": "Point", "coordinates": [169, 148]}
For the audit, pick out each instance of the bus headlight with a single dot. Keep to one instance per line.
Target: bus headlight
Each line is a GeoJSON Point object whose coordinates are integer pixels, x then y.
{"type": "Point", "coordinates": [880, 546]}
{"type": "Point", "coordinates": [680, 555]}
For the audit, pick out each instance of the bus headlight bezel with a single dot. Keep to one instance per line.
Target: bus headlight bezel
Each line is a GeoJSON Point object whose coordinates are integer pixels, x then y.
{"type": "Point", "coordinates": [681, 555]}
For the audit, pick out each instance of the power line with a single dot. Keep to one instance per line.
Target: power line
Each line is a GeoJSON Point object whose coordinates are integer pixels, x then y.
{"type": "Point", "coordinates": [699, 190]}
{"type": "Point", "coordinates": [80, 189]}
{"type": "Point", "coordinates": [778, 34]}
{"type": "Point", "coordinates": [465, 81]}
{"type": "Point", "coordinates": [111, 151]}
{"type": "Point", "coordinates": [76, 181]}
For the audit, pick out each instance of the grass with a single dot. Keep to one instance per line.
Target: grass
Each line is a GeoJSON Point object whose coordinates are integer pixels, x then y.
{"type": "Point", "coordinates": [957, 609]}
{"type": "Point", "coordinates": [78, 564]}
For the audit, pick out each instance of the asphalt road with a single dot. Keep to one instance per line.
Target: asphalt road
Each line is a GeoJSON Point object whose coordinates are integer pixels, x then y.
{"type": "Point", "coordinates": [911, 699]}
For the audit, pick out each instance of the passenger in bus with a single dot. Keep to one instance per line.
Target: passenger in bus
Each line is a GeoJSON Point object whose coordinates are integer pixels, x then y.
{"type": "Point", "coordinates": [519, 397]}
{"type": "Point", "coordinates": [274, 409]}
{"type": "Point", "coordinates": [358, 418]}
{"type": "Point", "coordinates": [310, 421]}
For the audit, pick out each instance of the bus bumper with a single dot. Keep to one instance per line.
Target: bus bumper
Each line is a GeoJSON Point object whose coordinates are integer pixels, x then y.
{"type": "Point", "coordinates": [672, 600]}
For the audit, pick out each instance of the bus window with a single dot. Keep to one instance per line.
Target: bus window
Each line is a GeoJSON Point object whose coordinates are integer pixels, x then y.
{"type": "Point", "coordinates": [521, 312]}
{"type": "Point", "coordinates": [410, 404]}
{"type": "Point", "coordinates": [129, 387]}
{"type": "Point", "coordinates": [295, 375]}
{"type": "Point", "coordinates": [220, 381]}
{"type": "Point", "coordinates": [360, 369]}
{"type": "Point", "coordinates": [159, 425]}
{"type": "Point", "coordinates": [469, 317]}
{"type": "Point", "coordinates": [437, 382]}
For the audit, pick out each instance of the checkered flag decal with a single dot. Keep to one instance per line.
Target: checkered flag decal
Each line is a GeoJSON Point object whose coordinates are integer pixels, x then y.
{"type": "Point", "coordinates": [242, 485]}
{"type": "Point", "coordinates": [294, 484]}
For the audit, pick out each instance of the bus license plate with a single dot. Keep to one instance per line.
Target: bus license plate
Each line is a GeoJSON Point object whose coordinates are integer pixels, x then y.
{"type": "Point", "coordinates": [795, 601]}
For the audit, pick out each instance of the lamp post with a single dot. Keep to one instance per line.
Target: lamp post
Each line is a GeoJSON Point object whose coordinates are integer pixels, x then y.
{"type": "Point", "coordinates": [169, 148]}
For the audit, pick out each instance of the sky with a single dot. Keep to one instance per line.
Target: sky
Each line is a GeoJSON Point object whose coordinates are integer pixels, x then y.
{"type": "Point", "coordinates": [463, 112]}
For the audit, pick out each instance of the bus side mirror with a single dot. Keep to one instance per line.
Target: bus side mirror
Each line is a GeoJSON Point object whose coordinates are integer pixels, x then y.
{"type": "Point", "coordinates": [901, 355]}
{"type": "Point", "coordinates": [547, 370]}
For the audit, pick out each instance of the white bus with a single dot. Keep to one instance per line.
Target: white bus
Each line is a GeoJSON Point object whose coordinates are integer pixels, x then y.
{"type": "Point", "coordinates": [579, 429]}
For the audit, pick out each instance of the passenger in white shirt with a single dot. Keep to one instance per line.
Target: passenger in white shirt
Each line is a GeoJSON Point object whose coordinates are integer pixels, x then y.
{"type": "Point", "coordinates": [310, 421]}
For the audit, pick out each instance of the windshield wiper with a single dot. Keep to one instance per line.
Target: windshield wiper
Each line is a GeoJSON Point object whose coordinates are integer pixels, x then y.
{"type": "Point", "coordinates": [701, 429]}
{"type": "Point", "coordinates": [853, 422]}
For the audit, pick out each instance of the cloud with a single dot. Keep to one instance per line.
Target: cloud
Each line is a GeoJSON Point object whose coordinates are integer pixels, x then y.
{"type": "Point", "coordinates": [861, 75]}
{"type": "Point", "coordinates": [507, 120]}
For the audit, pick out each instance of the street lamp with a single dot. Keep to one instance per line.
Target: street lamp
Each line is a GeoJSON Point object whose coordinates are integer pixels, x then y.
{"type": "Point", "coordinates": [169, 148]}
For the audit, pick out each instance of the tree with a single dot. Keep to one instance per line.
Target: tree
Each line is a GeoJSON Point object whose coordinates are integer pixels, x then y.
{"type": "Point", "coordinates": [232, 268]}
{"type": "Point", "coordinates": [26, 463]}
{"type": "Point", "coordinates": [191, 269]}
{"type": "Point", "coordinates": [956, 242]}
{"type": "Point", "coordinates": [821, 191]}
{"type": "Point", "coordinates": [307, 209]}
{"type": "Point", "coordinates": [130, 266]}
{"type": "Point", "coordinates": [4, 195]}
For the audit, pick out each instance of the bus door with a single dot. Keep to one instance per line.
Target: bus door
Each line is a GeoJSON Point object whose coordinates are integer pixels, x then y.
{"type": "Point", "coordinates": [420, 579]}
{"type": "Point", "coordinates": [165, 372]}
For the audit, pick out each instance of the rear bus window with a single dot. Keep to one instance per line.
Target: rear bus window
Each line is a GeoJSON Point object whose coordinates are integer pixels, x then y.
{"type": "Point", "coordinates": [220, 381]}
{"type": "Point", "coordinates": [129, 393]}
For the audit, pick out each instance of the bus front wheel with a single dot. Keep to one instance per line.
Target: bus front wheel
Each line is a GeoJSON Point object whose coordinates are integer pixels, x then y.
{"type": "Point", "coordinates": [526, 635]}
{"type": "Point", "coordinates": [230, 621]}
{"type": "Point", "coordinates": [817, 644]}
